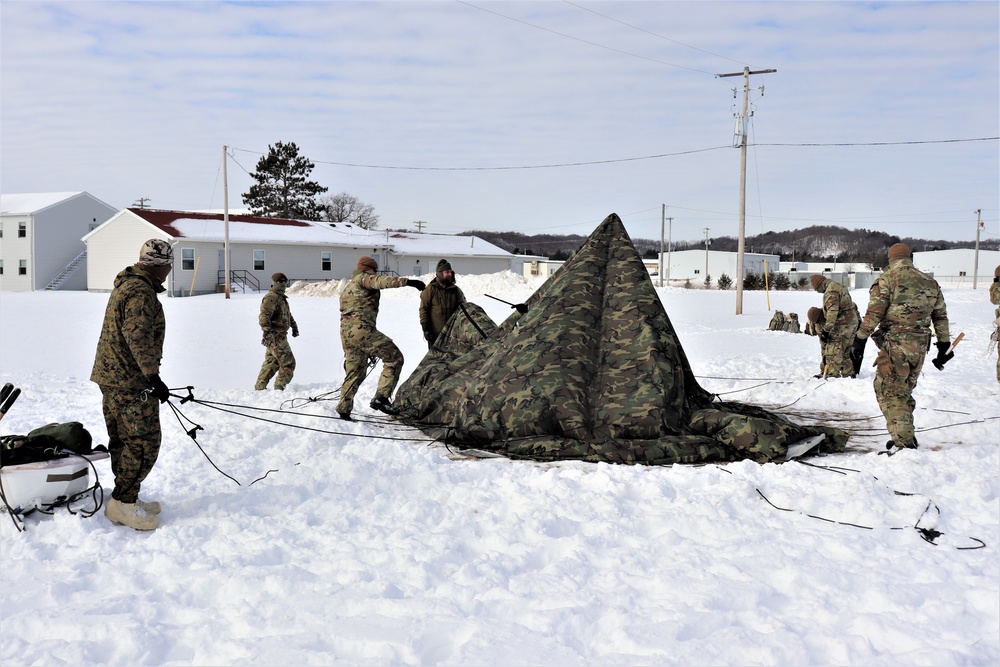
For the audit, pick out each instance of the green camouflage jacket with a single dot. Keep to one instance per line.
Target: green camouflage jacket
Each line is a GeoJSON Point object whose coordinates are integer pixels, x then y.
{"type": "Point", "coordinates": [905, 301]}
{"type": "Point", "coordinates": [131, 342]}
{"type": "Point", "coordinates": [275, 314]}
{"type": "Point", "coordinates": [840, 315]}
{"type": "Point", "coordinates": [360, 298]}
{"type": "Point", "coordinates": [995, 296]}
{"type": "Point", "coordinates": [437, 304]}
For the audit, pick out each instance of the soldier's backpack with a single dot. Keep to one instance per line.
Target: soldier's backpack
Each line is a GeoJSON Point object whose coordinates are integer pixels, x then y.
{"type": "Point", "coordinates": [792, 323]}
{"type": "Point", "coordinates": [52, 441]}
{"type": "Point", "coordinates": [777, 322]}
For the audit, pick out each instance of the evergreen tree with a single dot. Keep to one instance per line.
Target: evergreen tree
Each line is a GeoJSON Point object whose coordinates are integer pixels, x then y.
{"type": "Point", "coordinates": [282, 189]}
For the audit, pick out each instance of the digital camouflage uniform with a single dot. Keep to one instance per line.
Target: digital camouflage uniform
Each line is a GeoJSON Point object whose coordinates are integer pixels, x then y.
{"type": "Point", "coordinates": [275, 320]}
{"type": "Point", "coordinates": [359, 303]}
{"type": "Point", "coordinates": [437, 304]}
{"type": "Point", "coordinates": [903, 304]}
{"type": "Point", "coordinates": [129, 350]}
{"type": "Point", "coordinates": [838, 328]}
{"type": "Point", "coordinates": [995, 300]}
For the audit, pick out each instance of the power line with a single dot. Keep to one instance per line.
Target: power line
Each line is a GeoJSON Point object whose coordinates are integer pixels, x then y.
{"type": "Point", "coordinates": [578, 39]}
{"type": "Point", "coordinates": [627, 159]}
{"type": "Point", "coordinates": [635, 27]}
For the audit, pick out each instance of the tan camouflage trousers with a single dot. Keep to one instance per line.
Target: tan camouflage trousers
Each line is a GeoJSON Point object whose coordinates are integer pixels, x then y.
{"type": "Point", "coordinates": [372, 344]}
{"type": "Point", "coordinates": [279, 359]}
{"type": "Point", "coordinates": [837, 357]}
{"type": "Point", "coordinates": [133, 439]}
{"type": "Point", "coordinates": [897, 368]}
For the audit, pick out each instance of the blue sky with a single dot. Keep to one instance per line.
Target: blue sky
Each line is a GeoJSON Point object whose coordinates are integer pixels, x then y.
{"type": "Point", "coordinates": [526, 116]}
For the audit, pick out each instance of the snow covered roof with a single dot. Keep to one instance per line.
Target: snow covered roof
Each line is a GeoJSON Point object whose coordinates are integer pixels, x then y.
{"type": "Point", "coordinates": [245, 228]}
{"type": "Point", "coordinates": [202, 226]}
{"type": "Point", "coordinates": [26, 204]}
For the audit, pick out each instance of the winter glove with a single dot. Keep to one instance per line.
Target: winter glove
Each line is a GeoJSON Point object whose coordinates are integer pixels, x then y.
{"type": "Point", "coordinates": [824, 337]}
{"type": "Point", "coordinates": [857, 353]}
{"type": "Point", "coordinates": [419, 285]}
{"type": "Point", "coordinates": [521, 308]}
{"type": "Point", "coordinates": [295, 332]}
{"type": "Point", "coordinates": [157, 388]}
{"type": "Point", "coordinates": [943, 355]}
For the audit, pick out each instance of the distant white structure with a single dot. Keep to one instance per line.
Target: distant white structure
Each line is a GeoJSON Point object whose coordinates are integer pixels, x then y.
{"type": "Point", "coordinates": [259, 247]}
{"type": "Point", "coordinates": [540, 267]}
{"type": "Point", "coordinates": [40, 246]}
{"type": "Point", "coordinates": [693, 264]}
{"type": "Point", "coordinates": [955, 266]}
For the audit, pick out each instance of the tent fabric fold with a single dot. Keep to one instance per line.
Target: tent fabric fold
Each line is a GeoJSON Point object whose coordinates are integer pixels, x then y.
{"type": "Point", "coordinates": [593, 371]}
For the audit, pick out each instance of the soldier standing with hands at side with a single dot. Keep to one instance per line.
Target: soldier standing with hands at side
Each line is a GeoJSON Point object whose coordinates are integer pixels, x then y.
{"type": "Point", "coordinates": [275, 319]}
{"type": "Point", "coordinates": [127, 369]}
{"type": "Point", "coordinates": [903, 303]}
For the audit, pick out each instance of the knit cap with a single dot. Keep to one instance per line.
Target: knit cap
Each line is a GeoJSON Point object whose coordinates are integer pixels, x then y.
{"type": "Point", "coordinates": [899, 251]}
{"type": "Point", "coordinates": [443, 265]}
{"type": "Point", "coordinates": [156, 252]}
{"type": "Point", "coordinates": [816, 280]}
{"type": "Point", "coordinates": [815, 314]}
{"type": "Point", "coordinates": [366, 263]}
{"type": "Point", "coordinates": [279, 277]}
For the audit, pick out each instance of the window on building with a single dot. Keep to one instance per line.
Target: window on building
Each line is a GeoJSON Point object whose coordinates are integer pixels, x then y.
{"type": "Point", "coordinates": [187, 259]}
{"type": "Point", "coordinates": [697, 271]}
{"type": "Point", "coordinates": [22, 267]}
{"type": "Point", "coordinates": [534, 267]}
{"type": "Point", "coordinates": [326, 260]}
{"type": "Point", "coordinates": [258, 260]}
{"type": "Point", "coordinates": [22, 230]}
{"type": "Point", "coordinates": [961, 273]}
{"type": "Point", "coordinates": [1, 267]}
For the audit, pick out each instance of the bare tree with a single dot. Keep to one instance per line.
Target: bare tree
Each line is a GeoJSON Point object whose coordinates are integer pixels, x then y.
{"type": "Point", "coordinates": [343, 207]}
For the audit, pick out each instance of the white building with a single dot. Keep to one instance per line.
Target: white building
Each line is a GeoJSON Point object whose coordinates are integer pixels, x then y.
{"type": "Point", "coordinates": [259, 247]}
{"type": "Point", "coordinates": [694, 264]}
{"type": "Point", "coordinates": [957, 266]}
{"type": "Point", "coordinates": [40, 246]}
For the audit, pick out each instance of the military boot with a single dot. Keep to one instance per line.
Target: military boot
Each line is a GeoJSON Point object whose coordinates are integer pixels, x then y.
{"type": "Point", "coordinates": [149, 507]}
{"type": "Point", "coordinates": [127, 514]}
{"type": "Point", "coordinates": [382, 404]}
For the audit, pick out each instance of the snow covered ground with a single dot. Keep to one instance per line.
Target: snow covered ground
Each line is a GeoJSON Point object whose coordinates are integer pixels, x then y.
{"type": "Point", "coordinates": [365, 544]}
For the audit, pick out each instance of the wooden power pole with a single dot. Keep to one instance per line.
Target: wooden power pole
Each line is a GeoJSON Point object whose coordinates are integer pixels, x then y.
{"type": "Point", "coordinates": [741, 245]}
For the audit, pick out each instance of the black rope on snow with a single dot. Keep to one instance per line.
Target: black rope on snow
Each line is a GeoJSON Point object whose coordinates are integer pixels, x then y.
{"type": "Point", "coordinates": [298, 402]}
{"type": "Point", "coordinates": [927, 534]}
{"type": "Point", "coordinates": [193, 433]}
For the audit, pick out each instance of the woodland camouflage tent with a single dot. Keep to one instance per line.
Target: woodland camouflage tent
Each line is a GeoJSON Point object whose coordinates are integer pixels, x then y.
{"type": "Point", "coordinates": [593, 371]}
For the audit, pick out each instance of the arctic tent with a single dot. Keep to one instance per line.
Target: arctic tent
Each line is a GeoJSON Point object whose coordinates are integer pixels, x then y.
{"type": "Point", "coordinates": [594, 370]}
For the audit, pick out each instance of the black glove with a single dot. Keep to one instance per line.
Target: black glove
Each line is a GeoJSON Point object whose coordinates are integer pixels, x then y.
{"type": "Point", "coordinates": [419, 285]}
{"type": "Point", "coordinates": [824, 337]}
{"type": "Point", "coordinates": [295, 332]}
{"type": "Point", "coordinates": [157, 388]}
{"type": "Point", "coordinates": [857, 353]}
{"type": "Point", "coordinates": [429, 337]}
{"type": "Point", "coordinates": [943, 355]}
{"type": "Point", "coordinates": [521, 308]}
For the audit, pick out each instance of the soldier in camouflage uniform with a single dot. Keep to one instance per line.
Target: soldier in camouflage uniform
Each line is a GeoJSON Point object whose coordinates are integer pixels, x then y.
{"type": "Point", "coordinates": [439, 300]}
{"type": "Point", "coordinates": [275, 319]}
{"type": "Point", "coordinates": [358, 311]}
{"type": "Point", "coordinates": [127, 369]}
{"type": "Point", "coordinates": [995, 300]}
{"type": "Point", "coordinates": [904, 303]}
{"type": "Point", "coordinates": [839, 324]}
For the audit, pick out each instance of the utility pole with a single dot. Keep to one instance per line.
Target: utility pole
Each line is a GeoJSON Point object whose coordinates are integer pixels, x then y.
{"type": "Point", "coordinates": [707, 243]}
{"type": "Point", "coordinates": [975, 263]}
{"type": "Point", "coordinates": [420, 225]}
{"type": "Point", "coordinates": [741, 246]}
{"type": "Point", "coordinates": [670, 237]}
{"type": "Point", "coordinates": [663, 218]}
{"type": "Point", "coordinates": [225, 215]}
{"type": "Point", "coordinates": [141, 202]}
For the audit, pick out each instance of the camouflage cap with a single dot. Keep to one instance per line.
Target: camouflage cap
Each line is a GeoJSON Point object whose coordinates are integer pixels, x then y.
{"type": "Point", "coordinates": [367, 263]}
{"type": "Point", "coordinates": [156, 252]}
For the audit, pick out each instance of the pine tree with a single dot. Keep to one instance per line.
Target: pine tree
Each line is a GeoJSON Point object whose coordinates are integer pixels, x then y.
{"type": "Point", "coordinates": [282, 189]}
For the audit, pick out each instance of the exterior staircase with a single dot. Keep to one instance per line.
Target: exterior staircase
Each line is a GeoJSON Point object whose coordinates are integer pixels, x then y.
{"type": "Point", "coordinates": [70, 269]}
